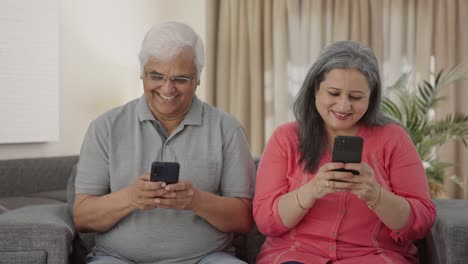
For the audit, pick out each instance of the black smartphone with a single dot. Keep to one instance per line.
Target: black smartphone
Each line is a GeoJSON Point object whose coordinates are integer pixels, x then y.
{"type": "Point", "coordinates": [347, 149]}
{"type": "Point", "coordinates": [167, 172]}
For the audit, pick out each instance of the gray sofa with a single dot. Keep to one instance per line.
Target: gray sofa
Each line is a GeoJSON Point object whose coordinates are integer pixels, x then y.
{"type": "Point", "coordinates": [36, 224]}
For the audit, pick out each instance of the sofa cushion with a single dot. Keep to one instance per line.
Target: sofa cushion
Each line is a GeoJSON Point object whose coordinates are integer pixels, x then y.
{"type": "Point", "coordinates": [447, 240]}
{"type": "Point", "coordinates": [84, 241]}
{"type": "Point", "coordinates": [14, 202]}
{"type": "Point", "coordinates": [71, 189]}
{"type": "Point", "coordinates": [38, 228]}
{"type": "Point", "coordinates": [24, 257]}
{"type": "Point", "coordinates": [248, 245]}
{"type": "Point", "coordinates": [2, 209]}
{"type": "Point", "coordinates": [59, 195]}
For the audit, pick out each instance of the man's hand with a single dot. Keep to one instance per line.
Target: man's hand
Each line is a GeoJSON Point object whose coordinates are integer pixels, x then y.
{"type": "Point", "coordinates": [143, 192]}
{"type": "Point", "coordinates": [221, 212]}
{"type": "Point", "coordinates": [178, 196]}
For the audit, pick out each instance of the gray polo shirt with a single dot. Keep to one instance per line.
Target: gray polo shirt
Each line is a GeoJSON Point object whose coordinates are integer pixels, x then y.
{"type": "Point", "coordinates": [213, 153]}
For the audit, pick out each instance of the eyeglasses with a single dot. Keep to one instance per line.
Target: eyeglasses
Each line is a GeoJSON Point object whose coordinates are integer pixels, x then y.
{"type": "Point", "coordinates": [160, 80]}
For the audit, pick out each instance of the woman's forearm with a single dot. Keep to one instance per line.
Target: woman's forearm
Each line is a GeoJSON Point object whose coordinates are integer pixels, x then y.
{"type": "Point", "coordinates": [292, 207]}
{"type": "Point", "coordinates": [392, 210]}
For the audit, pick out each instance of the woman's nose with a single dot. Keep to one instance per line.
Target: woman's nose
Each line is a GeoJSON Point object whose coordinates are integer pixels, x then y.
{"type": "Point", "coordinates": [344, 104]}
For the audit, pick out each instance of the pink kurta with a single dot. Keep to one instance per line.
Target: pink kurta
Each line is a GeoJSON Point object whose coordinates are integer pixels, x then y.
{"type": "Point", "coordinates": [340, 227]}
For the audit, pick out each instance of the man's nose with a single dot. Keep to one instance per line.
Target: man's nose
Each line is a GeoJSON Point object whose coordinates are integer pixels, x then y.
{"type": "Point", "coordinates": [168, 86]}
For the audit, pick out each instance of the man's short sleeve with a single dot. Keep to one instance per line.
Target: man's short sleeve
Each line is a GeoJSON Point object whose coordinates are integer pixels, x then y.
{"type": "Point", "coordinates": [238, 173]}
{"type": "Point", "coordinates": [93, 167]}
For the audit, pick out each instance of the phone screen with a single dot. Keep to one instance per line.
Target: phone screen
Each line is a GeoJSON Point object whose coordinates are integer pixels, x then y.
{"type": "Point", "coordinates": [347, 149]}
{"type": "Point", "coordinates": [167, 172]}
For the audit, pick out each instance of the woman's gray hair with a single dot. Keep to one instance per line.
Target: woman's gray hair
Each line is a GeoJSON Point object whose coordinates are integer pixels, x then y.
{"type": "Point", "coordinates": [165, 41]}
{"type": "Point", "coordinates": [338, 55]}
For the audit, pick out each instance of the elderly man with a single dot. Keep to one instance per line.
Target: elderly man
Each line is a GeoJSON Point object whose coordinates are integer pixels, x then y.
{"type": "Point", "coordinates": [143, 221]}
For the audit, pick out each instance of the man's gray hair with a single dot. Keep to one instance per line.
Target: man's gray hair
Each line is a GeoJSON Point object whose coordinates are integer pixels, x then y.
{"type": "Point", "coordinates": [165, 41]}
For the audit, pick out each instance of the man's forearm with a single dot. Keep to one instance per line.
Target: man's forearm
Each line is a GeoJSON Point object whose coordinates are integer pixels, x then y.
{"type": "Point", "coordinates": [100, 213]}
{"type": "Point", "coordinates": [227, 214]}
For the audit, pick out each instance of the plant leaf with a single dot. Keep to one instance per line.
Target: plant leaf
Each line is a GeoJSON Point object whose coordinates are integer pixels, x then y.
{"type": "Point", "coordinates": [411, 107]}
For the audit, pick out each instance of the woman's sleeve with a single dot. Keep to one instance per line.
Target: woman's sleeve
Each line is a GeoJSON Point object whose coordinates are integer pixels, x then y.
{"type": "Point", "coordinates": [408, 180]}
{"type": "Point", "coordinates": [271, 183]}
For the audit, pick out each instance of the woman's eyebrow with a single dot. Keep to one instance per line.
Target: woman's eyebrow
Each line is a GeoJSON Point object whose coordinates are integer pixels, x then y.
{"type": "Point", "coordinates": [332, 88]}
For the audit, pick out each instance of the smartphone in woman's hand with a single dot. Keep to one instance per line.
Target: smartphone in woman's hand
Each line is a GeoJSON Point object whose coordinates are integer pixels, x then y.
{"type": "Point", "coordinates": [347, 149]}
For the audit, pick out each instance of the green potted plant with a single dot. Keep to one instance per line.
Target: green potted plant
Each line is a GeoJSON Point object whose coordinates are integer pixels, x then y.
{"type": "Point", "coordinates": [413, 107]}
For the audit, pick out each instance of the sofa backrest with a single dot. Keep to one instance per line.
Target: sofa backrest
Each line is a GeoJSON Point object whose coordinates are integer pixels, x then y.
{"type": "Point", "coordinates": [24, 176]}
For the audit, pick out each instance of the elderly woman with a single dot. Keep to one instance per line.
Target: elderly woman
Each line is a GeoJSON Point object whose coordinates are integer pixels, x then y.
{"type": "Point", "coordinates": [312, 213]}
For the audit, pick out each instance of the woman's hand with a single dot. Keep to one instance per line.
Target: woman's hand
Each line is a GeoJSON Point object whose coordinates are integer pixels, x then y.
{"type": "Point", "coordinates": [327, 181]}
{"type": "Point", "coordinates": [392, 209]}
{"type": "Point", "coordinates": [365, 186]}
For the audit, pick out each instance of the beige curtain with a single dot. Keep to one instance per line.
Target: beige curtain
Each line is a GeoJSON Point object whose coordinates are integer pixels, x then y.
{"type": "Point", "coordinates": [246, 63]}
{"type": "Point", "coordinates": [416, 31]}
{"type": "Point", "coordinates": [450, 42]}
{"type": "Point", "coordinates": [260, 50]}
{"type": "Point", "coordinates": [313, 24]}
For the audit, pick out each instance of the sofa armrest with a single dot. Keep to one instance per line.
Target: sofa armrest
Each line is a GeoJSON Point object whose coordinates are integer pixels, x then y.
{"type": "Point", "coordinates": [447, 241]}
{"type": "Point", "coordinates": [42, 231]}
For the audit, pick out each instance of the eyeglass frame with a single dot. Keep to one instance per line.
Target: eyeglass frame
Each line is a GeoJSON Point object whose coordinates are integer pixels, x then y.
{"type": "Point", "coordinates": [173, 79]}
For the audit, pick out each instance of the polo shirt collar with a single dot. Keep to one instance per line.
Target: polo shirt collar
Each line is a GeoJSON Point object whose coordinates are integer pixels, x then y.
{"type": "Point", "coordinates": [193, 117]}
{"type": "Point", "coordinates": [143, 110]}
{"type": "Point", "coordinates": [195, 114]}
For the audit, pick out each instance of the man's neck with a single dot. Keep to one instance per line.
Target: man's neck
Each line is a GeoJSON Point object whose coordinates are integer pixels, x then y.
{"type": "Point", "coordinates": [171, 123]}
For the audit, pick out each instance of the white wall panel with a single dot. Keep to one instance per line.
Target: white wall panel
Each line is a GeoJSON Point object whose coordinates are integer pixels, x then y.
{"type": "Point", "coordinates": [29, 72]}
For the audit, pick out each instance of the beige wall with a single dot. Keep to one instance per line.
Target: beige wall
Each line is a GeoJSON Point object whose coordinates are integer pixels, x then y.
{"type": "Point", "coordinates": [99, 68]}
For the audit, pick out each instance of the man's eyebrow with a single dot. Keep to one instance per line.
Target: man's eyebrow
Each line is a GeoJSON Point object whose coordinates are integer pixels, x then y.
{"type": "Point", "coordinates": [180, 75]}
{"type": "Point", "coordinates": [155, 72]}
{"type": "Point", "coordinates": [183, 75]}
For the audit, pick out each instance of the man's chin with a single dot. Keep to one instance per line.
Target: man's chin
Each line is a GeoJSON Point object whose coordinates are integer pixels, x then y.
{"type": "Point", "coordinates": [167, 113]}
